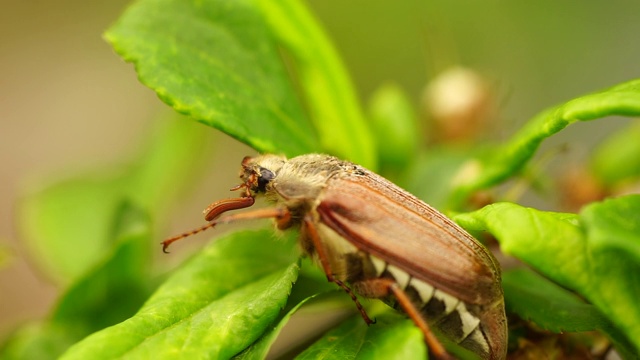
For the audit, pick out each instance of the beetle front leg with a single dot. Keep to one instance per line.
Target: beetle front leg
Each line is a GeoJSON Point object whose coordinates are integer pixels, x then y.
{"type": "Point", "coordinates": [282, 217]}
{"type": "Point", "coordinates": [320, 250]}
{"type": "Point", "coordinates": [382, 287]}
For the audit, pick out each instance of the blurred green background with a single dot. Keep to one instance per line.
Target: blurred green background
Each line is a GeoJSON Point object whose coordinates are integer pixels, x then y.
{"type": "Point", "coordinates": [67, 102]}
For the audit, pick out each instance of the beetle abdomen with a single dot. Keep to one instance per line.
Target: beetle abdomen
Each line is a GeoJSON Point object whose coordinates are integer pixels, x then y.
{"type": "Point", "coordinates": [451, 316]}
{"type": "Point", "coordinates": [458, 321]}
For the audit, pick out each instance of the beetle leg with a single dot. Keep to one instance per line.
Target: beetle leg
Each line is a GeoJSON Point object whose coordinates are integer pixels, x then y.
{"type": "Point", "coordinates": [382, 287]}
{"type": "Point", "coordinates": [283, 221]}
{"type": "Point", "coordinates": [167, 242]}
{"type": "Point", "coordinates": [281, 215]}
{"type": "Point", "coordinates": [219, 207]}
{"type": "Point", "coordinates": [324, 261]}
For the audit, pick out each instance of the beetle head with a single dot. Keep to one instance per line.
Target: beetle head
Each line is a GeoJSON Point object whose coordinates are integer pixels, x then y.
{"type": "Point", "coordinates": [257, 173]}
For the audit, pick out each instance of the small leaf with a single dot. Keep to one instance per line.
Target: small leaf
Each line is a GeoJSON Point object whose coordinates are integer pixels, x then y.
{"type": "Point", "coordinates": [618, 158]}
{"type": "Point", "coordinates": [395, 126]}
{"type": "Point", "coordinates": [66, 225]}
{"type": "Point", "coordinates": [392, 337]}
{"type": "Point", "coordinates": [215, 61]}
{"type": "Point", "coordinates": [508, 159]}
{"type": "Point", "coordinates": [596, 254]}
{"type": "Point", "coordinates": [330, 95]}
{"type": "Point", "coordinates": [216, 305]}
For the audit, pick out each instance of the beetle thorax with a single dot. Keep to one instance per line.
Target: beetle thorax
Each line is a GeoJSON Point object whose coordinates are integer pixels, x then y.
{"type": "Point", "coordinates": [304, 177]}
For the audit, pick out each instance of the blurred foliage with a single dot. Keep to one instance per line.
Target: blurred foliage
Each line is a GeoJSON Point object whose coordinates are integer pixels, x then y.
{"type": "Point", "coordinates": [222, 64]}
{"type": "Point", "coordinates": [67, 225]}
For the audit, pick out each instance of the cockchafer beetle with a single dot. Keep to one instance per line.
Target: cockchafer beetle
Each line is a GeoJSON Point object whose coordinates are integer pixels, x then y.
{"type": "Point", "coordinates": [373, 238]}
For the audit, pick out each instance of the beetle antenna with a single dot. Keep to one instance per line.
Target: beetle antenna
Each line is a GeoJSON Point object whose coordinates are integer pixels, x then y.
{"type": "Point", "coordinates": [166, 243]}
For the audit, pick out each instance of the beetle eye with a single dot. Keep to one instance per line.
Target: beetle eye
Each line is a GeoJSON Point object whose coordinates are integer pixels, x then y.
{"type": "Point", "coordinates": [266, 176]}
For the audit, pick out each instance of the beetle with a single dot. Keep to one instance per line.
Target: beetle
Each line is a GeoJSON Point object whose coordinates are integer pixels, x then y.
{"type": "Point", "coordinates": [375, 239]}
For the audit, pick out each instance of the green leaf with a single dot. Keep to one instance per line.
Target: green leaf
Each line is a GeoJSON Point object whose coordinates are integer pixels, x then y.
{"type": "Point", "coordinates": [317, 295]}
{"type": "Point", "coordinates": [260, 349]}
{"type": "Point", "coordinates": [116, 288]}
{"type": "Point", "coordinates": [216, 61]}
{"type": "Point", "coordinates": [507, 160]}
{"type": "Point", "coordinates": [395, 126]}
{"type": "Point", "coordinates": [618, 158]}
{"type": "Point", "coordinates": [215, 306]}
{"type": "Point", "coordinates": [330, 95]}
{"type": "Point", "coordinates": [613, 238]}
{"type": "Point", "coordinates": [551, 307]}
{"type": "Point", "coordinates": [66, 225]}
{"type": "Point", "coordinates": [596, 254]}
{"type": "Point", "coordinates": [392, 337]}
{"type": "Point", "coordinates": [107, 294]}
